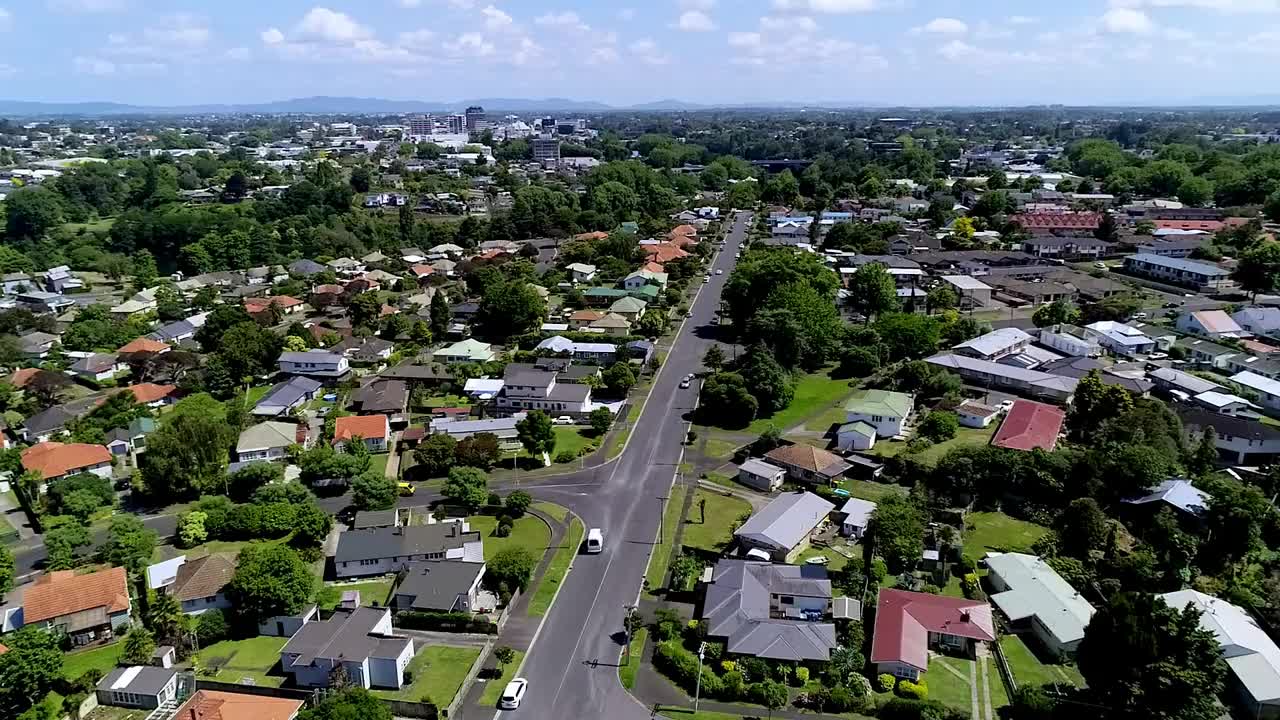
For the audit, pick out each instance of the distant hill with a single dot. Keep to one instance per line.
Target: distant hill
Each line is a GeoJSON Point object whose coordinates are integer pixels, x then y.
{"type": "Point", "coordinates": [307, 105]}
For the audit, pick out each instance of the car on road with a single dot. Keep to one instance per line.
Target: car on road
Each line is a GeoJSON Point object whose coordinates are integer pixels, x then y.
{"type": "Point", "coordinates": [1100, 265]}
{"type": "Point", "coordinates": [562, 420]}
{"type": "Point", "coordinates": [737, 256]}
{"type": "Point", "coordinates": [595, 541]}
{"type": "Point", "coordinates": [689, 314]}
{"type": "Point", "coordinates": [1169, 305]}
{"type": "Point", "coordinates": [513, 693]}
{"type": "Point", "coordinates": [706, 280]}
{"type": "Point", "coordinates": [1157, 356]}
{"type": "Point", "coordinates": [684, 384]}
{"type": "Point", "coordinates": [719, 272]}
{"type": "Point", "coordinates": [1005, 405]}
{"type": "Point", "coordinates": [405, 489]}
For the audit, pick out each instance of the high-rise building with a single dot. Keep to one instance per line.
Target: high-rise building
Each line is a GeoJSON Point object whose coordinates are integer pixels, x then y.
{"type": "Point", "coordinates": [475, 116]}
{"type": "Point", "coordinates": [546, 147]}
{"type": "Point", "coordinates": [457, 124]}
{"type": "Point", "coordinates": [421, 125]}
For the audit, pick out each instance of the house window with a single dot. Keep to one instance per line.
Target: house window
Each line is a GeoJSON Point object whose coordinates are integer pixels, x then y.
{"type": "Point", "coordinates": [787, 600]}
{"type": "Point", "coordinates": [876, 418]}
{"type": "Point", "coordinates": [369, 562]}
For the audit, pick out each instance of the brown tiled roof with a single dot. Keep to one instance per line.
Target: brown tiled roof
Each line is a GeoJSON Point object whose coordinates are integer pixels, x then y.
{"type": "Point", "coordinates": [422, 270]}
{"type": "Point", "coordinates": [597, 235]}
{"type": "Point", "coordinates": [202, 577]}
{"type": "Point", "coordinates": [150, 392]}
{"type": "Point", "coordinates": [586, 316]}
{"type": "Point", "coordinates": [55, 459]}
{"type": "Point", "coordinates": [144, 345]}
{"type": "Point", "coordinates": [366, 426]}
{"type": "Point", "coordinates": [22, 376]}
{"type": "Point", "coordinates": [664, 252]}
{"type": "Point", "coordinates": [805, 457]}
{"type": "Point", "coordinates": [218, 705]}
{"type": "Point", "coordinates": [63, 592]}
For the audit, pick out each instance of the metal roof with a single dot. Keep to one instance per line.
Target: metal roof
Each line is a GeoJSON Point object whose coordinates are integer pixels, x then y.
{"type": "Point", "coordinates": [1252, 656]}
{"type": "Point", "coordinates": [1037, 590]}
{"type": "Point", "coordinates": [786, 520]}
{"type": "Point", "coordinates": [737, 609]}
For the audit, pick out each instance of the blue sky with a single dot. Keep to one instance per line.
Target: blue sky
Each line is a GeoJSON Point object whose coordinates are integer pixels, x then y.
{"type": "Point", "coordinates": [627, 51]}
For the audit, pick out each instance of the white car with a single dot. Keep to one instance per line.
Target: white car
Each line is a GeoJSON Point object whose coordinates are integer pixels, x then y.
{"type": "Point", "coordinates": [595, 541]}
{"type": "Point", "coordinates": [513, 693]}
{"type": "Point", "coordinates": [562, 420]}
{"type": "Point", "coordinates": [1005, 405]}
{"type": "Point", "coordinates": [719, 272]}
{"type": "Point", "coordinates": [1140, 316]}
{"type": "Point", "coordinates": [819, 560]}
{"type": "Point", "coordinates": [684, 384]}
{"type": "Point", "coordinates": [706, 280]}
{"type": "Point", "coordinates": [1100, 265]}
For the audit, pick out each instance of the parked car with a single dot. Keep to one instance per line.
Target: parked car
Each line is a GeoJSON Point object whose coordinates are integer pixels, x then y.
{"type": "Point", "coordinates": [324, 411]}
{"type": "Point", "coordinates": [706, 280]}
{"type": "Point", "coordinates": [562, 420]}
{"type": "Point", "coordinates": [1100, 265]}
{"type": "Point", "coordinates": [1005, 405]}
{"type": "Point", "coordinates": [719, 272]}
{"type": "Point", "coordinates": [406, 489]}
{"type": "Point", "coordinates": [1139, 316]}
{"type": "Point", "coordinates": [513, 693]}
{"type": "Point", "coordinates": [689, 314]}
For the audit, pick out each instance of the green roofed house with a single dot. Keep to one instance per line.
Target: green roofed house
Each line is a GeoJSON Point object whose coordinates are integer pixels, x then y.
{"type": "Point", "coordinates": [603, 295]}
{"type": "Point", "coordinates": [884, 410]}
{"type": "Point", "coordinates": [647, 293]}
{"type": "Point", "coordinates": [629, 308]}
{"type": "Point", "coordinates": [856, 436]}
{"type": "Point", "coordinates": [466, 351]}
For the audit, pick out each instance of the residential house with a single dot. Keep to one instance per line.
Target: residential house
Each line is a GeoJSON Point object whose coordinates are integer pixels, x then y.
{"type": "Point", "coordinates": [384, 397]}
{"type": "Point", "coordinates": [856, 517]}
{"type": "Point", "coordinates": [59, 280]}
{"type": "Point", "coordinates": [1259, 320]}
{"type": "Point", "coordinates": [440, 586]}
{"type": "Point", "coordinates": [1208, 353]}
{"type": "Point", "coordinates": [175, 332]}
{"type": "Point", "coordinates": [143, 346]}
{"type": "Point", "coordinates": [1019, 292]}
{"type": "Point", "coordinates": [665, 252]}
{"type": "Point", "coordinates": [1051, 222]}
{"type": "Point", "coordinates": [374, 430]}
{"type": "Point", "coordinates": [97, 367]}
{"type": "Point", "coordinates": [39, 301]}
{"type": "Point", "coordinates": [153, 395]}
{"type": "Point", "coordinates": [781, 530]}
{"type": "Point", "coordinates": [15, 283]}
{"type": "Point", "coordinates": [583, 318]}
{"type": "Point", "coordinates": [1267, 366]}
{"type": "Point", "coordinates": [1071, 340]}
{"type": "Point", "coordinates": [323, 296]}
{"type": "Point", "coordinates": [971, 291]}
{"type": "Point", "coordinates": [528, 387]}
{"type": "Point", "coordinates": [259, 308]}
{"type": "Point", "coordinates": [54, 460]}
{"type": "Point", "coordinates": [1176, 382]}
{"type": "Point", "coordinates": [909, 624]}
{"type": "Point", "coordinates": [1224, 403]}
{"type": "Point", "coordinates": [1007, 377]}
{"type": "Point", "coordinates": [366, 519]}
{"type": "Point", "coordinates": [1252, 657]}
{"type": "Point", "coordinates": [365, 350]}
{"type": "Point", "coordinates": [644, 277]}
{"type": "Point", "coordinates": [47, 424]}
{"type": "Point", "coordinates": [884, 410]}
{"type": "Point", "coordinates": [808, 464]}
{"type": "Point", "coordinates": [218, 705]}
{"type": "Point", "coordinates": [1199, 276]}
{"type": "Point", "coordinates": [758, 474]}
{"type": "Point", "coordinates": [1032, 595]}
{"type": "Point", "coordinates": [1128, 377]}
{"type": "Point", "coordinates": [1213, 324]}
{"type": "Point", "coordinates": [1074, 247]}
{"type": "Point", "coordinates": [1176, 245]}
{"type": "Point", "coordinates": [504, 428]}
{"type": "Point", "coordinates": [612, 324]}
{"type": "Point", "coordinates": [36, 345]}
{"type": "Point", "coordinates": [383, 550]}
{"type": "Point", "coordinates": [582, 272]}
{"type": "Point", "coordinates": [628, 307]}
{"type": "Point", "coordinates": [269, 441]}
{"type": "Point", "coordinates": [772, 612]}
{"type": "Point", "coordinates": [1030, 425]}
{"type": "Point", "coordinates": [284, 397]}
{"type": "Point", "coordinates": [973, 414]}
{"type": "Point", "coordinates": [596, 353]}
{"type": "Point", "coordinates": [1178, 494]}
{"type": "Point", "coordinates": [995, 345]}
{"type": "Point", "coordinates": [87, 608]}
{"type": "Point", "coordinates": [361, 641]}
{"type": "Point", "coordinates": [132, 439]}
{"type": "Point", "coordinates": [199, 585]}
{"type": "Point", "coordinates": [857, 435]}
{"type": "Point", "coordinates": [316, 364]}
{"type": "Point", "coordinates": [466, 351]}
{"type": "Point", "coordinates": [1119, 339]}
{"type": "Point", "coordinates": [139, 687]}
{"type": "Point", "coordinates": [1240, 441]}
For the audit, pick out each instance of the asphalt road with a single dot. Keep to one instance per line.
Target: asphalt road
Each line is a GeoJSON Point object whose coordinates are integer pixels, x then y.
{"type": "Point", "coordinates": [625, 499]}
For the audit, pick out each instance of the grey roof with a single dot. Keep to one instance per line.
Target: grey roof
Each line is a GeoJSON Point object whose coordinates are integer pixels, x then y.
{"type": "Point", "coordinates": [1252, 656]}
{"type": "Point", "coordinates": [1037, 590]}
{"type": "Point", "coordinates": [345, 636]}
{"type": "Point", "coordinates": [1186, 382]}
{"type": "Point", "coordinates": [465, 428]}
{"type": "Point", "coordinates": [760, 468]}
{"type": "Point", "coordinates": [383, 396]}
{"type": "Point", "coordinates": [1181, 264]}
{"type": "Point", "coordinates": [314, 356]}
{"type": "Point", "coordinates": [1179, 493]}
{"type": "Point", "coordinates": [371, 544]}
{"type": "Point", "coordinates": [286, 394]}
{"type": "Point", "coordinates": [95, 363]}
{"type": "Point", "coordinates": [55, 418]}
{"type": "Point", "coordinates": [1196, 420]}
{"type": "Point", "coordinates": [375, 519]}
{"type": "Point", "coordinates": [737, 609]}
{"type": "Point", "coordinates": [267, 435]}
{"type": "Point", "coordinates": [173, 331]}
{"type": "Point", "coordinates": [1010, 372]}
{"type": "Point", "coordinates": [137, 679]}
{"type": "Point", "coordinates": [436, 585]}
{"type": "Point", "coordinates": [786, 520]}
{"type": "Point", "coordinates": [569, 392]}
{"type": "Point", "coordinates": [996, 341]}
{"type": "Point", "coordinates": [526, 374]}
{"type": "Point", "coordinates": [858, 511]}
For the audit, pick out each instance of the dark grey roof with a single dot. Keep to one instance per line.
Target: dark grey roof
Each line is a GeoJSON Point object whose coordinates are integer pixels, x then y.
{"type": "Point", "coordinates": [436, 585]}
{"type": "Point", "coordinates": [409, 371]}
{"type": "Point", "coordinates": [356, 545]}
{"type": "Point", "coordinates": [575, 373]}
{"type": "Point", "coordinates": [383, 396]}
{"type": "Point", "coordinates": [737, 609]}
{"type": "Point", "coordinates": [305, 267]}
{"type": "Point", "coordinates": [137, 679]}
{"type": "Point", "coordinates": [367, 345]}
{"type": "Point", "coordinates": [1078, 367]}
{"type": "Point", "coordinates": [346, 636]}
{"type": "Point", "coordinates": [786, 520]}
{"type": "Point", "coordinates": [287, 393]}
{"type": "Point", "coordinates": [1196, 420]}
{"type": "Point", "coordinates": [525, 374]}
{"type": "Point", "coordinates": [569, 392]}
{"type": "Point", "coordinates": [375, 519]}
{"type": "Point", "coordinates": [173, 331]}
{"type": "Point", "coordinates": [95, 363]}
{"type": "Point", "coordinates": [55, 418]}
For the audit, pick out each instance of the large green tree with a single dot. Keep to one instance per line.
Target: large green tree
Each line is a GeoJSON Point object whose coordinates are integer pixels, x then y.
{"type": "Point", "coordinates": [1258, 268]}
{"type": "Point", "coordinates": [270, 580]}
{"type": "Point", "coordinates": [536, 433]}
{"type": "Point", "coordinates": [897, 531]}
{"type": "Point", "coordinates": [187, 455]}
{"type": "Point", "coordinates": [29, 670]}
{"type": "Point", "coordinates": [872, 291]}
{"type": "Point", "coordinates": [467, 486]}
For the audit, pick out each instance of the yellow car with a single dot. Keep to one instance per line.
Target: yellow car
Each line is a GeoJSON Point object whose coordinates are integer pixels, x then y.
{"type": "Point", "coordinates": [406, 489]}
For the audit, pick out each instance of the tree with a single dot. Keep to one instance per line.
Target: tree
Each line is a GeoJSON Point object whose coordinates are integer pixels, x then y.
{"type": "Point", "coordinates": [1234, 523]}
{"type": "Point", "coordinates": [510, 308]}
{"type": "Point", "coordinates": [7, 570]}
{"type": "Point", "coordinates": [872, 291]}
{"type": "Point", "coordinates": [725, 401]}
{"type": "Point", "coordinates": [1095, 403]}
{"type": "Point", "coordinates": [130, 544]}
{"type": "Point", "coordinates": [518, 502]}
{"type": "Point", "coordinates": [481, 450]}
{"type": "Point", "coordinates": [908, 335]}
{"type": "Point", "coordinates": [618, 379]}
{"type": "Point", "coordinates": [361, 179]}
{"type": "Point", "coordinates": [435, 454]}
{"type": "Point", "coordinates": [773, 695]}
{"type": "Point", "coordinates": [858, 362]}
{"type": "Point", "coordinates": [364, 310]}
{"type": "Point", "coordinates": [441, 315]}
{"type": "Point", "coordinates": [64, 536]}
{"type": "Point", "coordinates": [246, 481]}
{"type": "Point", "coordinates": [468, 487]}
{"type": "Point", "coordinates": [897, 531]}
{"type": "Point", "coordinates": [311, 525]}
{"type": "Point", "coordinates": [1107, 230]}
{"type": "Point", "coordinates": [513, 566]}
{"type": "Point", "coordinates": [713, 358]}
{"type": "Point", "coordinates": [1258, 270]}
{"type": "Point", "coordinates": [1057, 312]}
{"type": "Point", "coordinates": [1147, 659]}
{"type": "Point", "coordinates": [270, 580]}
{"type": "Point", "coordinates": [939, 426]}
{"type": "Point", "coordinates": [600, 419]}
{"type": "Point", "coordinates": [768, 381]}
{"type": "Point", "coordinates": [191, 528]}
{"type": "Point", "coordinates": [941, 297]}
{"type": "Point", "coordinates": [29, 670]}
{"type": "Point", "coordinates": [187, 455]}
{"type": "Point", "coordinates": [371, 490]}
{"type": "Point", "coordinates": [536, 433]}
{"type": "Point", "coordinates": [1082, 528]}
{"type": "Point", "coordinates": [352, 703]}
{"type": "Point", "coordinates": [31, 213]}
{"type": "Point", "coordinates": [80, 495]}
{"type": "Point", "coordinates": [504, 655]}
{"type": "Point", "coordinates": [1205, 457]}
{"type": "Point", "coordinates": [139, 646]}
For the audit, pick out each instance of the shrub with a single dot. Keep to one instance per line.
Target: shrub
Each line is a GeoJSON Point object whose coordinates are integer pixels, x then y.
{"type": "Point", "coordinates": [753, 668]}
{"type": "Point", "coordinates": [802, 675]}
{"type": "Point", "coordinates": [913, 691]}
{"type": "Point", "coordinates": [885, 682]}
{"type": "Point", "coordinates": [565, 456]}
{"type": "Point", "coordinates": [211, 627]}
{"type": "Point", "coordinates": [715, 651]}
{"type": "Point", "coordinates": [495, 500]}
{"type": "Point", "coordinates": [904, 709]}
{"type": "Point", "coordinates": [445, 622]}
{"type": "Point", "coordinates": [878, 569]}
{"type": "Point", "coordinates": [733, 686]}
{"type": "Point", "coordinates": [931, 589]}
{"type": "Point", "coordinates": [728, 666]}
{"type": "Point", "coordinates": [969, 585]}
{"type": "Point", "coordinates": [842, 699]}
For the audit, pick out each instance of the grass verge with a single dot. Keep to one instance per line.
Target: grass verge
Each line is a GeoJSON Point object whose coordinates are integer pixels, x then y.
{"type": "Point", "coordinates": [528, 532]}
{"type": "Point", "coordinates": [627, 673]}
{"type": "Point", "coordinates": [494, 686]}
{"type": "Point", "coordinates": [546, 590]}
{"type": "Point", "coordinates": [661, 554]}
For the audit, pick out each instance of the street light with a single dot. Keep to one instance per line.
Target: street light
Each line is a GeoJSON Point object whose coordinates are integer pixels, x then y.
{"type": "Point", "coordinates": [697, 690]}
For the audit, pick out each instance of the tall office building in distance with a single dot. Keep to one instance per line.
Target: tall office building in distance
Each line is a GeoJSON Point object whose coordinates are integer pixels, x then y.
{"type": "Point", "coordinates": [421, 125]}
{"type": "Point", "coordinates": [475, 116]}
{"type": "Point", "coordinates": [457, 124]}
{"type": "Point", "coordinates": [546, 147]}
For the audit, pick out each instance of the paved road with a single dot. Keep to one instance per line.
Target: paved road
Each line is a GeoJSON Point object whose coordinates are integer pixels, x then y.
{"type": "Point", "coordinates": [624, 498]}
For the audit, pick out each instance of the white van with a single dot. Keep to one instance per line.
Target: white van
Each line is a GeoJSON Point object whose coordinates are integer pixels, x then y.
{"type": "Point", "coordinates": [595, 540]}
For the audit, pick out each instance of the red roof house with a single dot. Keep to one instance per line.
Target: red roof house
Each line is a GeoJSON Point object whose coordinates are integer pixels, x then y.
{"type": "Point", "coordinates": [86, 607]}
{"type": "Point", "coordinates": [1058, 220]}
{"type": "Point", "coordinates": [54, 459]}
{"type": "Point", "coordinates": [144, 345]}
{"type": "Point", "coordinates": [373, 429]}
{"type": "Point", "coordinates": [909, 623]}
{"type": "Point", "coordinates": [153, 394]}
{"type": "Point", "coordinates": [1206, 225]}
{"type": "Point", "coordinates": [1030, 425]}
{"type": "Point", "coordinates": [663, 252]}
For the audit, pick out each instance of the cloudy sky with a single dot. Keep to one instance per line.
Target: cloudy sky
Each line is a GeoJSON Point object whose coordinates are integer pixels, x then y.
{"type": "Point", "coordinates": [628, 51]}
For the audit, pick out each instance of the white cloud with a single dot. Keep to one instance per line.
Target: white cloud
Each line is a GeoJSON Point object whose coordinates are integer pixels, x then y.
{"type": "Point", "coordinates": [323, 24]}
{"type": "Point", "coordinates": [782, 42]}
{"type": "Point", "coordinates": [272, 36]}
{"type": "Point", "coordinates": [6, 19]}
{"type": "Point", "coordinates": [470, 44]}
{"type": "Point", "coordinates": [94, 66]}
{"type": "Point", "coordinates": [793, 23]}
{"type": "Point", "coordinates": [647, 52]}
{"type": "Point", "coordinates": [695, 21]}
{"type": "Point", "coordinates": [417, 39]}
{"type": "Point", "coordinates": [1127, 21]}
{"type": "Point", "coordinates": [567, 21]}
{"type": "Point", "coordinates": [826, 6]}
{"type": "Point", "coordinates": [87, 6]}
{"type": "Point", "coordinates": [697, 4]}
{"type": "Point", "coordinates": [527, 51]}
{"type": "Point", "coordinates": [745, 39]}
{"type": "Point", "coordinates": [944, 26]}
{"type": "Point", "coordinates": [495, 19]}
{"type": "Point", "coordinates": [182, 31]}
{"type": "Point", "coordinates": [604, 55]}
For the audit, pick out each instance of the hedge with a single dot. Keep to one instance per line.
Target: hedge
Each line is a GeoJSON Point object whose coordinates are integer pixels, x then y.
{"type": "Point", "coordinates": [445, 622]}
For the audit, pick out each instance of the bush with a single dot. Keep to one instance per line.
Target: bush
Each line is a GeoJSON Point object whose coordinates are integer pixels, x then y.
{"type": "Point", "coordinates": [913, 691]}
{"type": "Point", "coordinates": [733, 686]}
{"type": "Point", "coordinates": [211, 627]}
{"type": "Point", "coordinates": [753, 668]}
{"type": "Point", "coordinates": [885, 682]}
{"type": "Point", "coordinates": [878, 569]}
{"type": "Point", "coordinates": [802, 675]}
{"type": "Point", "coordinates": [939, 426]}
{"type": "Point", "coordinates": [445, 622]}
{"type": "Point", "coordinates": [565, 456]}
{"type": "Point", "coordinates": [728, 666]}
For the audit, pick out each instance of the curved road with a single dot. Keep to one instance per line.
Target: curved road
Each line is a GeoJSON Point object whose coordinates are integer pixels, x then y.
{"type": "Point", "coordinates": [625, 498]}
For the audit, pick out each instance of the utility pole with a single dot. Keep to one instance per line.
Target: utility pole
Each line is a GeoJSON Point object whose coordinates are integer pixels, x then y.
{"type": "Point", "coordinates": [697, 691]}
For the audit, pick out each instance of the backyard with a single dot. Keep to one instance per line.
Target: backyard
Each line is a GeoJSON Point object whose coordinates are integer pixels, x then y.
{"type": "Point", "coordinates": [866, 490]}
{"type": "Point", "coordinates": [815, 393]}
{"type": "Point", "coordinates": [986, 531]}
{"type": "Point", "coordinates": [1028, 670]}
{"type": "Point", "coordinates": [75, 664]}
{"type": "Point", "coordinates": [436, 673]}
{"type": "Point", "coordinates": [235, 661]}
{"type": "Point", "coordinates": [527, 532]}
{"type": "Point", "coordinates": [371, 592]}
{"type": "Point", "coordinates": [933, 453]}
{"type": "Point", "coordinates": [714, 531]}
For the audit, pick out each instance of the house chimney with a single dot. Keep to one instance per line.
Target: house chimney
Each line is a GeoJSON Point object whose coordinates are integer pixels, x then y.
{"type": "Point", "coordinates": [964, 616]}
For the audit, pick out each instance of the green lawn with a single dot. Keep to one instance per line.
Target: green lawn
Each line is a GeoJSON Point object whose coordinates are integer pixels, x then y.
{"type": "Point", "coordinates": [986, 531]}
{"type": "Point", "coordinates": [437, 672]}
{"type": "Point", "coordinates": [556, 511]}
{"type": "Point", "coordinates": [720, 449]}
{"type": "Point", "coordinates": [661, 554]}
{"type": "Point", "coordinates": [528, 532]}
{"type": "Point", "coordinates": [239, 659]}
{"type": "Point", "coordinates": [228, 547]}
{"type": "Point", "coordinates": [8, 532]}
{"type": "Point", "coordinates": [540, 603]}
{"type": "Point", "coordinates": [836, 560]}
{"type": "Point", "coordinates": [447, 401]}
{"type": "Point", "coordinates": [965, 436]}
{"type": "Point", "coordinates": [1027, 668]}
{"type": "Point", "coordinates": [374, 591]}
{"type": "Point", "coordinates": [872, 491]}
{"type": "Point", "coordinates": [999, 696]}
{"type": "Point", "coordinates": [715, 531]}
{"type": "Point", "coordinates": [75, 664]}
{"type": "Point", "coordinates": [627, 673]}
{"type": "Point", "coordinates": [494, 686]}
{"type": "Point", "coordinates": [815, 393]}
{"type": "Point", "coordinates": [572, 439]}
{"type": "Point", "coordinates": [101, 225]}
{"type": "Point", "coordinates": [379, 462]}
{"type": "Point", "coordinates": [945, 687]}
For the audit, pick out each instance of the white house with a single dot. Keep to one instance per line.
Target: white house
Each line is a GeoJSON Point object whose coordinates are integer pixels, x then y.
{"type": "Point", "coordinates": [1070, 340]}
{"type": "Point", "coordinates": [758, 474]}
{"type": "Point", "coordinates": [383, 550]}
{"type": "Point", "coordinates": [856, 436]}
{"type": "Point", "coordinates": [973, 414]}
{"type": "Point", "coordinates": [1268, 390]}
{"type": "Point", "coordinates": [582, 272]}
{"type": "Point", "coordinates": [782, 529]}
{"type": "Point", "coordinates": [1214, 324]}
{"type": "Point", "coordinates": [317, 364]}
{"type": "Point", "coordinates": [1259, 320]}
{"type": "Point", "coordinates": [362, 641]}
{"type": "Point", "coordinates": [884, 410]}
{"type": "Point", "coordinates": [1032, 594]}
{"type": "Point", "coordinates": [267, 441]}
{"type": "Point", "coordinates": [1119, 338]}
{"type": "Point", "coordinates": [857, 515]}
{"type": "Point", "coordinates": [995, 345]}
